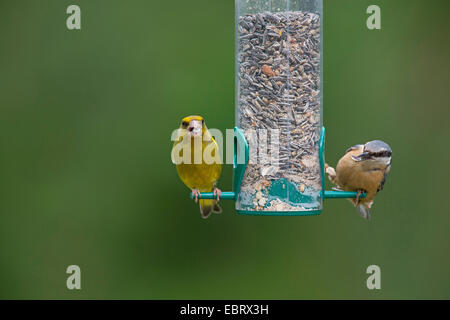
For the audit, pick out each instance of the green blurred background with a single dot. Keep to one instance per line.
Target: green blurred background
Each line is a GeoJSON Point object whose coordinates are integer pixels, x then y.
{"type": "Point", "coordinates": [86, 176]}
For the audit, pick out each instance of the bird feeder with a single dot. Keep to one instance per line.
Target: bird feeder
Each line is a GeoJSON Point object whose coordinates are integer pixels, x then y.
{"type": "Point", "coordinates": [279, 137]}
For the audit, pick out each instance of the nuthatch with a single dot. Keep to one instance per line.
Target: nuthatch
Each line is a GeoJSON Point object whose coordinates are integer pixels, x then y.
{"type": "Point", "coordinates": [363, 168]}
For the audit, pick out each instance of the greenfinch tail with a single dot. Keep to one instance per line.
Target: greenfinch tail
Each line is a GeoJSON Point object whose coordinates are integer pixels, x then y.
{"type": "Point", "coordinates": [207, 206]}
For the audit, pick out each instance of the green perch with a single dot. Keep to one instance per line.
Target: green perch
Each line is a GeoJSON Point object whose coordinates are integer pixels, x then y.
{"type": "Point", "coordinates": [328, 194]}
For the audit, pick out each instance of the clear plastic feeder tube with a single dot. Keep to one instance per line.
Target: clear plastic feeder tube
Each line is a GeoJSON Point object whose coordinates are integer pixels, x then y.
{"type": "Point", "coordinates": [279, 104]}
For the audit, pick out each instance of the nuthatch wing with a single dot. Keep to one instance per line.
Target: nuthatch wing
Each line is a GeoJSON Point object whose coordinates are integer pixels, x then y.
{"type": "Point", "coordinates": [363, 168]}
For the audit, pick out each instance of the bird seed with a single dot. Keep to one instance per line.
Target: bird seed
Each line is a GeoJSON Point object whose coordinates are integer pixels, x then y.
{"type": "Point", "coordinates": [279, 90]}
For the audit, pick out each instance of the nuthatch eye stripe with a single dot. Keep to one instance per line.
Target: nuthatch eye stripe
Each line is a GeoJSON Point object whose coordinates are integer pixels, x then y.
{"type": "Point", "coordinates": [381, 154]}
